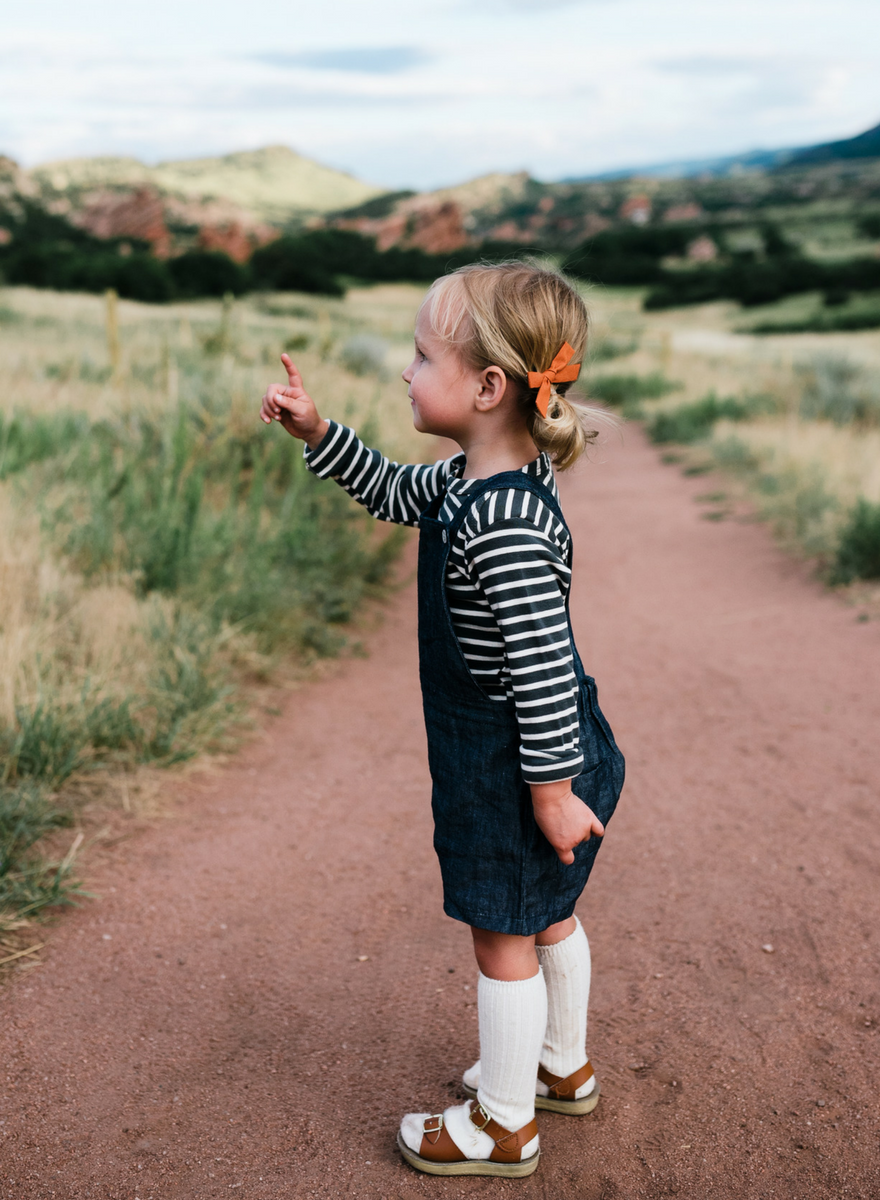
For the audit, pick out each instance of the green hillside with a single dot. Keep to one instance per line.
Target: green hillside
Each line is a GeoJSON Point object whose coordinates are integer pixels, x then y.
{"type": "Point", "coordinates": [864, 145]}
{"type": "Point", "coordinates": [274, 183]}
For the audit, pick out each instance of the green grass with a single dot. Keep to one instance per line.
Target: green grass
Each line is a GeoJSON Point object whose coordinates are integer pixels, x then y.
{"type": "Point", "coordinates": [804, 514]}
{"type": "Point", "coordinates": [858, 549]}
{"type": "Point", "coordinates": [833, 311]}
{"type": "Point", "coordinates": [626, 391]}
{"type": "Point", "coordinates": [222, 555]}
{"type": "Point", "coordinates": [834, 388]}
{"type": "Point", "coordinates": [692, 422]}
{"type": "Point", "coordinates": [825, 322]}
{"type": "Point", "coordinates": [28, 882]}
{"type": "Point", "coordinates": [224, 517]}
{"type": "Point", "coordinates": [27, 439]}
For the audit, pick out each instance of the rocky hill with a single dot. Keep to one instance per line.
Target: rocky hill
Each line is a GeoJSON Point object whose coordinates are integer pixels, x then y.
{"type": "Point", "coordinates": [232, 203]}
{"type": "Point", "coordinates": [273, 184]}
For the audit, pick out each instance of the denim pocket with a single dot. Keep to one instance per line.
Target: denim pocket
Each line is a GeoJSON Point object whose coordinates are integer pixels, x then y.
{"type": "Point", "coordinates": [589, 686]}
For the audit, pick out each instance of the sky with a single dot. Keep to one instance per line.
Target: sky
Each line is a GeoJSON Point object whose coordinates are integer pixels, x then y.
{"type": "Point", "coordinates": [424, 93]}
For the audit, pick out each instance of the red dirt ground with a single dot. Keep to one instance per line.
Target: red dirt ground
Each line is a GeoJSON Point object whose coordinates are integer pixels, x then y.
{"type": "Point", "coordinates": [268, 980]}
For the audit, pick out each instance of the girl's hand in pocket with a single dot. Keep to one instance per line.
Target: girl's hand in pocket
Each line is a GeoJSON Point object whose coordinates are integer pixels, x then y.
{"type": "Point", "coordinates": [563, 818]}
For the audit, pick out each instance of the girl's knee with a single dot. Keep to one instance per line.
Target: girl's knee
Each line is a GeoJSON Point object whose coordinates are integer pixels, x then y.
{"type": "Point", "coordinates": [505, 956]}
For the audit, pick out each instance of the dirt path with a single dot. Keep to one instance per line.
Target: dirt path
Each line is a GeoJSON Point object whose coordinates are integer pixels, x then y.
{"type": "Point", "coordinates": [268, 981]}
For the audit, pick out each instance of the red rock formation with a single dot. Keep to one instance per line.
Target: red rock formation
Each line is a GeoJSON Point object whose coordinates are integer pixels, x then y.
{"type": "Point", "coordinates": [508, 231]}
{"type": "Point", "coordinates": [595, 223]}
{"type": "Point", "coordinates": [702, 249]}
{"type": "Point", "coordinates": [136, 214]}
{"type": "Point", "coordinates": [234, 239]}
{"type": "Point", "coordinates": [637, 209]}
{"type": "Point", "coordinates": [429, 226]}
{"type": "Point", "coordinates": [683, 212]}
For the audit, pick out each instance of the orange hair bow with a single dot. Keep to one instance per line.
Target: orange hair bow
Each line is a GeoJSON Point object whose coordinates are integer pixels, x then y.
{"type": "Point", "coordinates": [559, 371]}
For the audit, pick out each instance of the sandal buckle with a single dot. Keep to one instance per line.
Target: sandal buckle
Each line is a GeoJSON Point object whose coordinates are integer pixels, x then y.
{"type": "Point", "coordinates": [479, 1108]}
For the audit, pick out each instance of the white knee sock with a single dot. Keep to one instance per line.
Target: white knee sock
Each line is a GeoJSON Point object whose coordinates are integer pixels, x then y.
{"type": "Point", "coordinates": [513, 1017]}
{"type": "Point", "coordinates": [566, 968]}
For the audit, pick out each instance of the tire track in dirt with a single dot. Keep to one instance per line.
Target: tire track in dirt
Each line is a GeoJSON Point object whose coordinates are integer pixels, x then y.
{"type": "Point", "coordinates": [272, 982]}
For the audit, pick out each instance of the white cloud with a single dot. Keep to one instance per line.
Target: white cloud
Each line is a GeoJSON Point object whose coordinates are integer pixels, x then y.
{"type": "Point", "coordinates": [430, 93]}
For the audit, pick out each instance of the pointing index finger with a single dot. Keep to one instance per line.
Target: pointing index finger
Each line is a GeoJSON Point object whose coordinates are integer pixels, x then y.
{"type": "Point", "coordinates": [293, 375]}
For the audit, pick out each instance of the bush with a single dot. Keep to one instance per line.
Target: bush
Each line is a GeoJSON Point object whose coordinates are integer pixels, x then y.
{"type": "Point", "coordinates": [293, 264]}
{"type": "Point", "coordinates": [26, 438]}
{"type": "Point", "coordinates": [229, 523]}
{"type": "Point", "coordinates": [28, 884]}
{"type": "Point", "coordinates": [208, 273]}
{"type": "Point", "coordinates": [622, 391]}
{"type": "Point", "coordinates": [823, 322]}
{"type": "Point", "coordinates": [692, 422]}
{"type": "Point", "coordinates": [762, 282]}
{"type": "Point", "coordinates": [142, 277]}
{"type": "Point", "coordinates": [628, 256]}
{"type": "Point", "coordinates": [858, 550]}
{"type": "Point", "coordinates": [364, 355]}
{"type": "Point", "coordinates": [839, 390]}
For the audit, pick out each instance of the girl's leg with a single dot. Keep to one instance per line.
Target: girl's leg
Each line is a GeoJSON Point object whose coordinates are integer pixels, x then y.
{"type": "Point", "coordinates": [512, 1008]}
{"type": "Point", "coordinates": [512, 1005]}
{"type": "Point", "coordinates": [564, 954]}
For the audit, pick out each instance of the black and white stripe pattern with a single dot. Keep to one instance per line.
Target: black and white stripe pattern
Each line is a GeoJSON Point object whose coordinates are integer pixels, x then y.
{"type": "Point", "coordinates": [506, 583]}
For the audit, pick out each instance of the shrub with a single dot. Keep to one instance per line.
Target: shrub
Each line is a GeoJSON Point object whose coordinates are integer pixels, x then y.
{"type": "Point", "coordinates": [29, 884]}
{"type": "Point", "coordinates": [858, 550]}
{"type": "Point", "coordinates": [823, 322]}
{"type": "Point", "coordinates": [628, 256]}
{"type": "Point", "coordinates": [625, 391]}
{"type": "Point", "coordinates": [611, 347]}
{"type": "Point", "coordinates": [26, 438]}
{"type": "Point", "coordinates": [762, 282]}
{"type": "Point", "coordinates": [691, 422]}
{"type": "Point", "coordinates": [208, 273]}
{"type": "Point", "coordinates": [294, 264]}
{"type": "Point", "coordinates": [364, 355]}
{"type": "Point", "coordinates": [142, 277]}
{"type": "Point", "coordinates": [226, 520]}
{"type": "Point", "coordinates": [837, 389]}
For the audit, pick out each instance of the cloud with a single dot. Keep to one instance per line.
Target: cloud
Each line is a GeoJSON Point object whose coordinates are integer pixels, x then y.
{"type": "Point", "coordinates": [763, 83]}
{"type": "Point", "coordinates": [364, 60]}
{"type": "Point", "coordinates": [527, 6]}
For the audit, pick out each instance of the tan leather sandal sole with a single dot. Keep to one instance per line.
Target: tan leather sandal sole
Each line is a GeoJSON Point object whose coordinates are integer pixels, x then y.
{"type": "Point", "coordinates": [439, 1155]}
{"type": "Point", "coordinates": [471, 1166]}
{"type": "Point", "coordinates": [560, 1088]}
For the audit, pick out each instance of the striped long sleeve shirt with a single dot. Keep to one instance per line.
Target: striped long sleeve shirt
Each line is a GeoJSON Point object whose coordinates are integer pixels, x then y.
{"type": "Point", "coordinates": [507, 579]}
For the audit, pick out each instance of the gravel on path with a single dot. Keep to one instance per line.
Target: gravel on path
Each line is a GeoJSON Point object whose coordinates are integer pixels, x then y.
{"type": "Point", "coordinates": [268, 982]}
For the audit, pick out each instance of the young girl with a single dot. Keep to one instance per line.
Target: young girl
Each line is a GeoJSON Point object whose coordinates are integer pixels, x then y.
{"type": "Point", "coordinates": [525, 768]}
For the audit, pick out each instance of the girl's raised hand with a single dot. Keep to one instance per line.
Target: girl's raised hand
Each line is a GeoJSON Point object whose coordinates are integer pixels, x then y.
{"type": "Point", "coordinates": [293, 407]}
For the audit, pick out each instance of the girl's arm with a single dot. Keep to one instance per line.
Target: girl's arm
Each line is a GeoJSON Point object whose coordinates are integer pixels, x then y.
{"type": "Point", "coordinates": [523, 575]}
{"type": "Point", "coordinates": [521, 572]}
{"type": "Point", "coordinates": [388, 490]}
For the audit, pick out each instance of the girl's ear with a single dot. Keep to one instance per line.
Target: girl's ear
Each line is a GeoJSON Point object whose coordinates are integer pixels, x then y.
{"type": "Point", "coordinates": [492, 385]}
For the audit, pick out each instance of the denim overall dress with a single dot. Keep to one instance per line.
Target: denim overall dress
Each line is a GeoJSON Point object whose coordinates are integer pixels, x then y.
{"type": "Point", "coordinates": [499, 871]}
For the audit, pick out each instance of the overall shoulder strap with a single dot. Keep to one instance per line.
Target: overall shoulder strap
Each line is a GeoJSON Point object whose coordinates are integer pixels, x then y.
{"type": "Point", "coordinates": [504, 482]}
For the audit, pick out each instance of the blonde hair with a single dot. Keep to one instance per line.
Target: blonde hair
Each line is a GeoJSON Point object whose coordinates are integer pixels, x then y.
{"type": "Point", "coordinates": [517, 316]}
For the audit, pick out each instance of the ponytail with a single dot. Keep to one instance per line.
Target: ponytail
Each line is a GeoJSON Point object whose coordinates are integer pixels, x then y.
{"type": "Point", "coordinates": [517, 316]}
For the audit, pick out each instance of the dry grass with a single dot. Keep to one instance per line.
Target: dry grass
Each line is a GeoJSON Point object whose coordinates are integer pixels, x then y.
{"type": "Point", "coordinates": [82, 648]}
{"type": "Point", "coordinates": [847, 459]}
{"type": "Point", "coordinates": [54, 358]}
